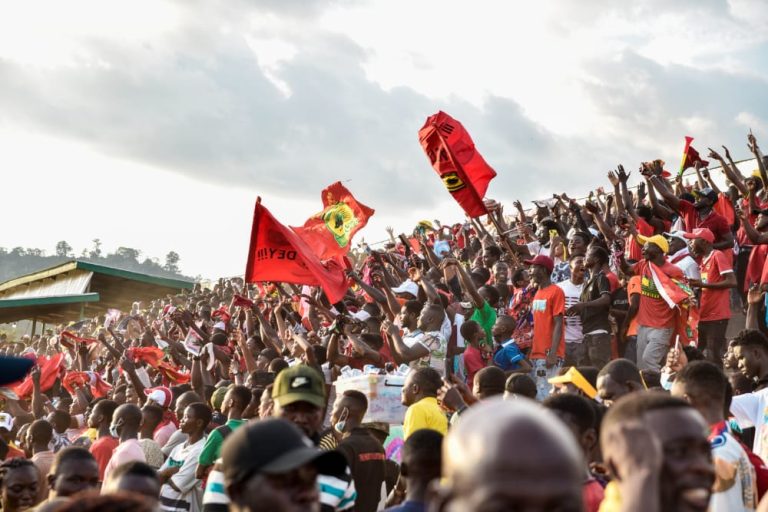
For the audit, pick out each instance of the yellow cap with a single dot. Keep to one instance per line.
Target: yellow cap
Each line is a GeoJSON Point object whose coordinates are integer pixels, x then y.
{"type": "Point", "coordinates": [655, 239]}
{"type": "Point", "coordinates": [574, 376]}
{"type": "Point", "coordinates": [426, 224]}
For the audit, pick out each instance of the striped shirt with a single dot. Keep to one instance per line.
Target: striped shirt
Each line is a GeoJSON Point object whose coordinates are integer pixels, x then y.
{"type": "Point", "coordinates": [337, 493]}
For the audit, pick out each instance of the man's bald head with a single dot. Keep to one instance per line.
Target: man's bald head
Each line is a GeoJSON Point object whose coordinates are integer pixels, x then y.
{"type": "Point", "coordinates": [510, 452]}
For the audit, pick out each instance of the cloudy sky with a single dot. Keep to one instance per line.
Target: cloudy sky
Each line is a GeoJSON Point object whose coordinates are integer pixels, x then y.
{"type": "Point", "coordinates": [155, 125]}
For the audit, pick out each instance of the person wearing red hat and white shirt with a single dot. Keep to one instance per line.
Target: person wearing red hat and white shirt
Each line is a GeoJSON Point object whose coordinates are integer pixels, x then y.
{"type": "Point", "coordinates": [680, 256]}
{"type": "Point", "coordinates": [548, 308]}
{"type": "Point", "coordinates": [717, 278]}
{"type": "Point", "coordinates": [163, 397]}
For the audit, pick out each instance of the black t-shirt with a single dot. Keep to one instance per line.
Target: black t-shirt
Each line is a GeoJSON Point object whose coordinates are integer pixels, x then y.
{"type": "Point", "coordinates": [593, 319]}
{"type": "Point", "coordinates": [366, 458]}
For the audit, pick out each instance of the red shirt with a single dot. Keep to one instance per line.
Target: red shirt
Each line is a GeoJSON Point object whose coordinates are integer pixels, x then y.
{"type": "Point", "coordinates": [714, 222]}
{"type": "Point", "coordinates": [654, 310]}
{"type": "Point", "coordinates": [613, 280]}
{"type": "Point", "coordinates": [547, 304]}
{"type": "Point", "coordinates": [102, 449]}
{"type": "Point", "coordinates": [756, 266]}
{"type": "Point", "coordinates": [715, 304]}
{"type": "Point", "coordinates": [473, 362]}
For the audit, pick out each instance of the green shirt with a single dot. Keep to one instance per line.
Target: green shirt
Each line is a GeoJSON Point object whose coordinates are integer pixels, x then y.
{"type": "Point", "coordinates": [486, 317]}
{"type": "Point", "coordinates": [212, 447]}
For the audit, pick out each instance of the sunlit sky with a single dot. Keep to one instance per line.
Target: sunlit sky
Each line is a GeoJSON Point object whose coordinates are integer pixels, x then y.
{"type": "Point", "coordinates": [155, 125]}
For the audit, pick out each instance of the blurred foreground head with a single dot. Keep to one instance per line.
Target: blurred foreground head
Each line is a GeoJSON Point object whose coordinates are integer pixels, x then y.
{"type": "Point", "coordinates": [509, 455]}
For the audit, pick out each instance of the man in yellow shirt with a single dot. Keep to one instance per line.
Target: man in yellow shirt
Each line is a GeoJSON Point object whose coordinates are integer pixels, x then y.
{"type": "Point", "coordinates": [420, 396]}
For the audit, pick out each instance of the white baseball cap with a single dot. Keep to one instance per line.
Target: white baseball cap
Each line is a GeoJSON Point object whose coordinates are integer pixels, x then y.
{"type": "Point", "coordinates": [6, 421]}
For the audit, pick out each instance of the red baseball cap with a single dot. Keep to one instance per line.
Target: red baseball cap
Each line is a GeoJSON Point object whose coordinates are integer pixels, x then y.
{"type": "Point", "coordinates": [703, 233]}
{"type": "Point", "coordinates": [541, 260]}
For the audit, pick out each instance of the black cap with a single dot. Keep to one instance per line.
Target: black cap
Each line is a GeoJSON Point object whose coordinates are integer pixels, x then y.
{"type": "Point", "coordinates": [709, 194]}
{"type": "Point", "coordinates": [13, 369]}
{"type": "Point", "coordinates": [274, 446]}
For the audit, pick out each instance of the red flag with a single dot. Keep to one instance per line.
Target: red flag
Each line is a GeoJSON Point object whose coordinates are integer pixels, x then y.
{"type": "Point", "coordinates": [329, 233]}
{"type": "Point", "coordinates": [99, 388]}
{"type": "Point", "coordinates": [172, 374]}
{"type": "Point", "coordinates": [243, 302]}
{"type": "Point", "coordinates": [452, 154]}
{"type": "Point", "coordinates": [690, 157]}
{"type": "Point", "coordinates": [49, 372]}
{"type": "Point", "coordinates": [279, 254]}
{"type": "Point", "coordinates": [69, 339]}
{"type": "Point", "coordinates": [150, 355]}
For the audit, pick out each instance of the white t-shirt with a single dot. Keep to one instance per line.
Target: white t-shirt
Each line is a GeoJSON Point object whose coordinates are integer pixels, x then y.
{"type": "Point", "coordinates": [573, 333]}
{"type": "Point", "coordinates": [751, 410]}
{"type": "Point", "coordinates": [735, 474]}
{"type": "Point", "coordinates": [687, 264]}
{"type": "Point", "coordinates": [536, 249]}
{"type": "Point", "coordinates": [190, 499]}
{"type": "Point", "coordinates": [435, 342]}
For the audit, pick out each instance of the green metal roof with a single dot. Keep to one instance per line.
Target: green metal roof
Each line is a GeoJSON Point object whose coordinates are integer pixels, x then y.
{"type": "Point", "coordinates": [49, 301]}
{"type": "Point", "coordinates": [46, 296]}
{"type": "Point", "coordinates": [99, 269]}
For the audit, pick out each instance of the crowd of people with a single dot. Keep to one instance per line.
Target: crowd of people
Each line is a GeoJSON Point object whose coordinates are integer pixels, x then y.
{"type": "Point", "coordinates": [573, 357]}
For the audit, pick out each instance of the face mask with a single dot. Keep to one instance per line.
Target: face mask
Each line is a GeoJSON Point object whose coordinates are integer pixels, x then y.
{"type": "Point", "coordinates": [342, 423]}
{"type": "Point", "coordinates": [113, 431]}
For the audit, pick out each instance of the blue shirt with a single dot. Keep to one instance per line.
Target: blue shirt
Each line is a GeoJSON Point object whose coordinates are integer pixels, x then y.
{"type": "Point", "coordinates": [508, 356]}
{"type": "Point", "coordinates": [408, 506]}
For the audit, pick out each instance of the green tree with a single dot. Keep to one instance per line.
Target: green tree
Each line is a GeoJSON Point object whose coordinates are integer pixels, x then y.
{"type": "Point", "coordinates": [128, 254]}
{"type": "Point", "coordinates": [96, 251]}
{"type": "Point", "coordinates": [63, 249]}
{"type": "Point", "coordinates": [172, 262]}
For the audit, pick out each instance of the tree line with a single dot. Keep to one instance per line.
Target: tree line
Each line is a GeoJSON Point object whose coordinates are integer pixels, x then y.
{"type": "Point", "coordinates": [19, 261]}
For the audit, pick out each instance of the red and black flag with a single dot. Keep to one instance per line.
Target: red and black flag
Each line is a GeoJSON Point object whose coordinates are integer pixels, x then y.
{"type": "Point", "coordinates": [452, 154]}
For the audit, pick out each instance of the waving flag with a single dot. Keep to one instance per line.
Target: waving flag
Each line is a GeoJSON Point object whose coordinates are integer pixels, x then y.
{"type": "Point", "coordinates": [278, 254]}
{"type": "Point", "coordinates": [453, 156]}
{"type": "Point", "coordinates": [672, 291]}
{"type": "Point", "coordinates": [50, 367]}
{"type": "Point", "coordinates": [329, 233]}
{"type": "Point", "coordinates": [99, 388]}
{"type": "Point", "coordinates": [690, 157]}
{"type": "Point", "coordinates": [69, 339]}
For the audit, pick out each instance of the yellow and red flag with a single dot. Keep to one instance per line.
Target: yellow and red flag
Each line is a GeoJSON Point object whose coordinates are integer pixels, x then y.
{"type": "Point", "coordinates": [329, 233]}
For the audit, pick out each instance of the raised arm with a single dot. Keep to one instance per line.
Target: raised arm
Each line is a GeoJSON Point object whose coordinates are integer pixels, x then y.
{"type": "Point", "coordinates": [733, 177]}
{"type": "Point", "coordinates": [755, 236]}
{"type": "Point", "coordinates": [618, 187]}
{"type": "Point", "coordinates": [753, 147]}
{"type": "Point", "coordinates": [465, 281]}
{"type": "Point", "coordinates": [250, 361]}
{"type": "Point", "coordinates": [704, 173]}
{"type": "Point", "coordinates": [402, 352]}
{"type": "Point", "coordinates": [669, 197]}
{"type": "Point", "coordinates": [604, 228]}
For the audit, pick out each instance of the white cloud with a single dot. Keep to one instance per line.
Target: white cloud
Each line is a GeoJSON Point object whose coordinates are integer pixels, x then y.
{"type": "Point", "coordinates": [218, 102]}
